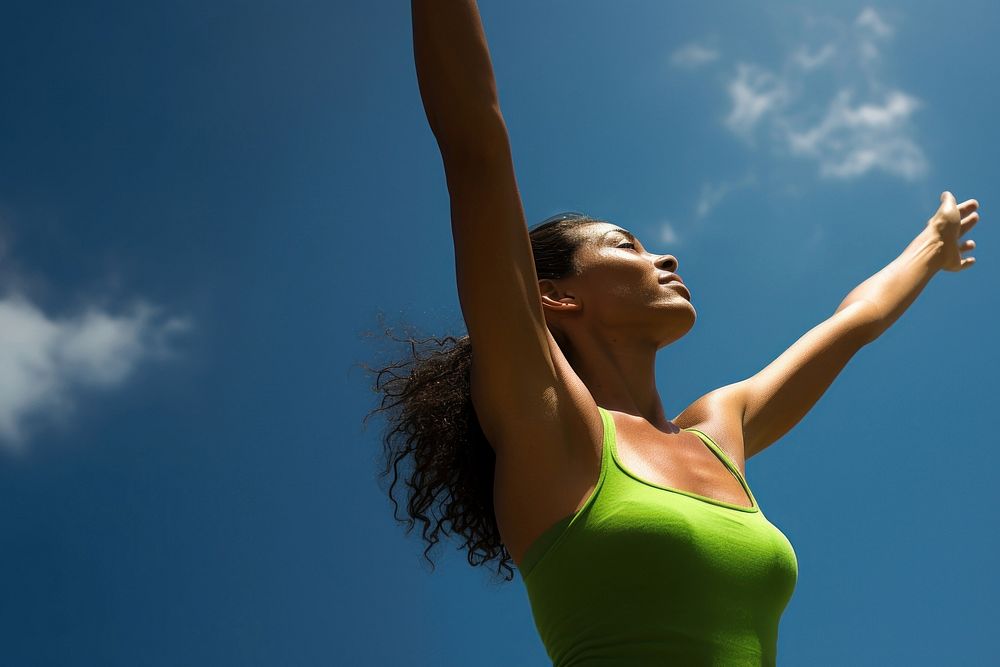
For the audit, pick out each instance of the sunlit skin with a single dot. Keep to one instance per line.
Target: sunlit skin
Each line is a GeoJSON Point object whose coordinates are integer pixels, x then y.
{"type": "Point", "coordinates": [612, 317]}
{"type": "Point", "coordinates": [615, 313]}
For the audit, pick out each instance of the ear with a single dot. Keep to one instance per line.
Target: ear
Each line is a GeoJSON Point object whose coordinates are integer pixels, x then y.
{"type": "Point", "coordinates": [555, 299]}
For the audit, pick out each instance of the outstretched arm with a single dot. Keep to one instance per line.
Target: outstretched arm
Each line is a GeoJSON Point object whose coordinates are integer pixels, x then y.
{"type": "Point", "coordinates": [938, 247]}
{"type": "Point", "coordinates": [778, 397]}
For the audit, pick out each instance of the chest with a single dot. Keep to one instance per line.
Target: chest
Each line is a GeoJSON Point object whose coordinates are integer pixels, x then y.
{"type": "Point", "coordinates": [680, 461]}
{"type": "Point", "coordinates": [530, 499]}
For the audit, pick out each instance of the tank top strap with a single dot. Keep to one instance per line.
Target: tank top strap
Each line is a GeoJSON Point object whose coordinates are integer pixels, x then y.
{"type": "Point", "coordinates": [554, 533]}
{"type": "Point", "coordinates": [608, 441]}
{"type": "Point", "coordinates": [707, 439]}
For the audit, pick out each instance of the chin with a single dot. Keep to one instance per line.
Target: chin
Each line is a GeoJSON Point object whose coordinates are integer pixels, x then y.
{"type": "Point", "coordinates": [679, 325]}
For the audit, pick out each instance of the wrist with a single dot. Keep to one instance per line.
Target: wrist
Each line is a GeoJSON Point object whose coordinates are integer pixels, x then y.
{"type": "Point", "coordinates": [928, 248]}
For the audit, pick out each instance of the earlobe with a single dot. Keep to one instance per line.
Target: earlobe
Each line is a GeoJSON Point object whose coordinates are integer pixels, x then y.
{"type": "Point", "coordinates": [562, 303]}
{"type": "Point", "coordinates": [553, 299]}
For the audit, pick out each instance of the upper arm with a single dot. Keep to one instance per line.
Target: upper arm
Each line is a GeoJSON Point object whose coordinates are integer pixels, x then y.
{"type": "Point", "coordinates": [779, 396]}
{"type": "Point", "coordinates": [513, 371]}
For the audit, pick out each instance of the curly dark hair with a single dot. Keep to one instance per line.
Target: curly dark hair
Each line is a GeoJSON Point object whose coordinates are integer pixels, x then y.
{"type": "Point", "coordinates": [432, 425]}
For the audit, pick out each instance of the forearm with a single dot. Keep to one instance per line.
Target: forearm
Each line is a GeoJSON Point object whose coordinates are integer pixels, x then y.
{"type": "Point", "coordinates": [894, 288]}
{"type": "Point", "coordinates": [455, 75]}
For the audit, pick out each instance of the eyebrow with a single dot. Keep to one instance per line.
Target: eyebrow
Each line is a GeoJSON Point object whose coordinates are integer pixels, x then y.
{"type": "Point", "coordinates": [624, 233]}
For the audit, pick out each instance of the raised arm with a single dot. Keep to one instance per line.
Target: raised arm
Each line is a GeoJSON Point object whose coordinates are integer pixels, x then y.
{"type": "Point", "coordinates": [455, 76]}
{"type": "Point", "coordinates": [779, 396]}
{"type": "Point", "coordinates": [513, 374]}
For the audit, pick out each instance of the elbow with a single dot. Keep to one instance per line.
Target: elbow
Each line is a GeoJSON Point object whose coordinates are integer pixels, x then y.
{"type": "Point", "coordinates": [866, 322]}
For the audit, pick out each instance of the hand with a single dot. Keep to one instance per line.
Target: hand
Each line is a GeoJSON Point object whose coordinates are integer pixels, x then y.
{"type": "Point", "coordinates": [949, 224]}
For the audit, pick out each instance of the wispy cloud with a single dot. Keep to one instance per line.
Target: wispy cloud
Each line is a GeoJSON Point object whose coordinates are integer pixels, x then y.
{"type": "Point", "coordinates": [865, 125]}
{"type": "Point", "coordinates": [809, 61]}
{"type": "Point", "coordinates": [754, 92]}
{"type": "Point", "coordinates": [668, 234]}
{"type": "Point", "coordinates": [693, 55]}
{"type": "Point", "coordinates": [713, 193]}
{"type": "Point", "coordinates": [870, 20]}
{"type": "Point", "coordinates": [46, 360]}
{"type": "Point", "coordinates": [852, 140]}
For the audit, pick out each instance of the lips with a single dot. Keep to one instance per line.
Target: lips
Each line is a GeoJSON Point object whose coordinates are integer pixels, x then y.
{"type": "Point", "coordinates": [680, 287]}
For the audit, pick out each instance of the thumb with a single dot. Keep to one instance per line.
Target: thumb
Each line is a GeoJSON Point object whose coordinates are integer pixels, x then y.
{"type": "Point", "coordinates": [946, 195]}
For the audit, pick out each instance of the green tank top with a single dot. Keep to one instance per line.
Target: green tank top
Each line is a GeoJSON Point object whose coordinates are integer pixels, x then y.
{"type": "Point", "coordinates": [648, 575]}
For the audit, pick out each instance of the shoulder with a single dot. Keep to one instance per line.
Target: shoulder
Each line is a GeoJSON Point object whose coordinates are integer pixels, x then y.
{"type": "Point", "coordinates": [719, 415]}
{"type": "Point", "coordinates": [724, 403]}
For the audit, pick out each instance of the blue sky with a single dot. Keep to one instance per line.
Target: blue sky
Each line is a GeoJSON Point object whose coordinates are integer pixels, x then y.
{"type": "Point", "coordinates": [203, 209]}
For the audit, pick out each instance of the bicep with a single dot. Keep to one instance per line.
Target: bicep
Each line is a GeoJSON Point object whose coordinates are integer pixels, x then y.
{"type": "Point", "coordinates": [513, 371]}
{"type": "Point", "coordinates": [779, 396]}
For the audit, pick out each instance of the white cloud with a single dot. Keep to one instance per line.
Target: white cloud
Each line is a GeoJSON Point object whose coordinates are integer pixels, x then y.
{"type": "Point", "coordinates": [709, 198]}
{"type": "Point", "coordinates": [45, 360]}
{"type": "Point", "coordinates": [668, 234]}
{"type": "Point", "coordinates": [808, 61]}
{"type": "Point", "coordinates": [870, 31]}
{"type": "Point", "coordinates": [754, 92]}
{"type": "Point", "coordinates": [712, 194]}
{"type": "Point", "coordinates": [869, 20]}
{"type": "Point", "coordinates": [850, 141]}
{"type": "Point", "coordinates": [693, 55]}
{"type": "Point", "coordinates": [846, 138]}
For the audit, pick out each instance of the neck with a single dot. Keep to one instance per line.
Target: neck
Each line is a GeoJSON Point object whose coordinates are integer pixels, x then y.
{"type": "Point", "coordinates": [620, 375]}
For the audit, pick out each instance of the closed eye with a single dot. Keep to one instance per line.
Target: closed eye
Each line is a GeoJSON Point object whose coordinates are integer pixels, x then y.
{"type": "Point", "coordinates": [627, 245]}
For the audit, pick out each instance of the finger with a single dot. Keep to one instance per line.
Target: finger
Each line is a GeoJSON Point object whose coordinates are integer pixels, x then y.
{"type": "Point", "coordinates": [968, 245]}
{"type": "Point", "coordinates": [968, 206]}
{"type": "Point", "coordinates": [966, 263]}
{"type": "Point", "coordinates": [968, 222]}
{"type": "Point", "coordinates": [946, 195]}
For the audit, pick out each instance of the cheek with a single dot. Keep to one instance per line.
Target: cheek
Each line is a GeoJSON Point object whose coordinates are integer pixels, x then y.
{"type": "Point", "coordinates": [616, 287]}
{"type": "Point", "coordinates": [621, 293]}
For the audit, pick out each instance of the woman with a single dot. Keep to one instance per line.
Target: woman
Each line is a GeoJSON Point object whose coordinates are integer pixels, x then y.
{"type": "Point", "coordinates": [542, 434]}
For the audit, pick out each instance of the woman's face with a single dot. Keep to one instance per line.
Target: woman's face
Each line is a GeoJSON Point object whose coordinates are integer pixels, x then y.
{"type": "Point", "coordinates": [622, 288]}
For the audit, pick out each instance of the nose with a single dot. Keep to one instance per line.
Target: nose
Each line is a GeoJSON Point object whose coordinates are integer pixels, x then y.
{"type": "Point", "coordinates": [667, 263]}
